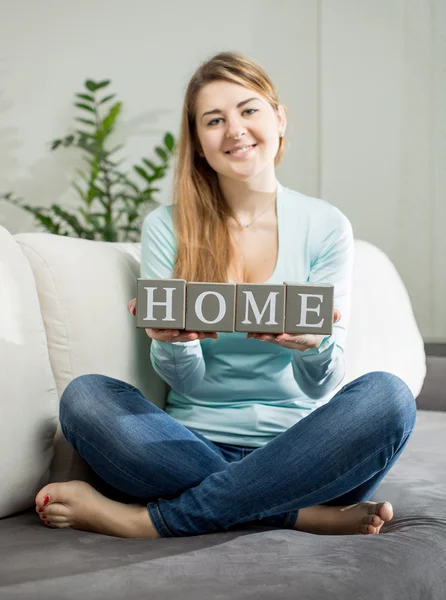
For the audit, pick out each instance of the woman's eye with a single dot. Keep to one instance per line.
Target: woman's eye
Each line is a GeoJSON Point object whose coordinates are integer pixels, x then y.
{"type": "Point", "coordinates": [251, 110]}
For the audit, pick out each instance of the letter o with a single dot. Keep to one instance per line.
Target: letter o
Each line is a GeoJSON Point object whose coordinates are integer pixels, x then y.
{"type": "Point", "coordinates": [199, 305]}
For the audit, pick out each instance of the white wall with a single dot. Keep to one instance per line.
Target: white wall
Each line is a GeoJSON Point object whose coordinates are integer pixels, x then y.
{"type": "Point", "coordinates": [383, 137]}
{"type": "Point", "coordinates": [364, 83]}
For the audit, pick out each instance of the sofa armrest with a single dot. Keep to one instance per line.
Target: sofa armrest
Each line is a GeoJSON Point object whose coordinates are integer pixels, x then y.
{"type": "Point", "coordinates": [433, 392]}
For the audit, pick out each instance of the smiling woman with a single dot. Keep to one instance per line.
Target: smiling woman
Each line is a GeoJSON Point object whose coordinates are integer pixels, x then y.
{"type": "Point", "coordinates": [196, 465]}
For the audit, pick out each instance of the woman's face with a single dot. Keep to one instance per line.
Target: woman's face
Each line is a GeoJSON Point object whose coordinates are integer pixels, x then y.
{"type": "Point", "coordinates": [252, 123]}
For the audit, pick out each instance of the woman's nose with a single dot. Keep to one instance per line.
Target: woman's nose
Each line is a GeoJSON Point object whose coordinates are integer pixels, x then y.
{"type": "Point", "coordinates": [235, 130]}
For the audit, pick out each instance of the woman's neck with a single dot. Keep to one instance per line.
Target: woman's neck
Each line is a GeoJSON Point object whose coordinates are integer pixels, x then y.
{"type": "Point", "coordinates": [246, 201]}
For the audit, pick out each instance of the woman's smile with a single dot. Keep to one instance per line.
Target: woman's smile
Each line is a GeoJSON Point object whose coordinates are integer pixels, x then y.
{"type": "Point", "coordinates": [243, 152]}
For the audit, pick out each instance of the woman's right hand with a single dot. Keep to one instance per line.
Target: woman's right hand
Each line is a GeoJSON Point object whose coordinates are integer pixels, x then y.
{"type": "Point", "coordinates": [172, 335]}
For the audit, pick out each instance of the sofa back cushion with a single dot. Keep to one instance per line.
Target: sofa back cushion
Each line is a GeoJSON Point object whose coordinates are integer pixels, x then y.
{"type": "Point", "coordinates": [28, 397]}
{"type": "Point", "coordinates": [383, 334]}
{"type": "Point", "coordinates": [83, 288]}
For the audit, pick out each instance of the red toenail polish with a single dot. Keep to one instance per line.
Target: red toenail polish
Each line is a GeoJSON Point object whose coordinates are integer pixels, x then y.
{"type": "Point", "coordinates": [40, 509]}
{"type": "Point", "coordinates": [46, 500]}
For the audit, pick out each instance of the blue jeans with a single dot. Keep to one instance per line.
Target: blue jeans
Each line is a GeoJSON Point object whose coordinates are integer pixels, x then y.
{"type": "Point", "coordinates": [337, 455]}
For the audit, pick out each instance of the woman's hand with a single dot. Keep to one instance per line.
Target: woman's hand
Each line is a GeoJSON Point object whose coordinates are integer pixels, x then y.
{"type": "Point", "coordinates": [172, 335]}
{"type": "Point", "coordinates": [295, 342]}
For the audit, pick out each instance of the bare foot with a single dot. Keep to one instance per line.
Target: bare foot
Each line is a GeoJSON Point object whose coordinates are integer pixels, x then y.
{"type": "Point", "coordinates": [365, 517]}
{"type": "Point", "coordinates": [78, 505]}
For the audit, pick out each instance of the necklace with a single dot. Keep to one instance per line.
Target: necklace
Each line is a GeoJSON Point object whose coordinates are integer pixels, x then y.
{"type": "Point", "coordinates": [243, 226]}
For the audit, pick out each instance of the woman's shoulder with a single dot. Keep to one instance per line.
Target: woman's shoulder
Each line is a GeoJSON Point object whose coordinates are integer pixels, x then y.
{"type": "Point", "coordinates": [312, 209]}
{"type": "Point", "coordinates": [159, 221]}
{"type": "Point", "coordinates": [157, 227]}
{"type": "Point", "coordinates": [161, 214]}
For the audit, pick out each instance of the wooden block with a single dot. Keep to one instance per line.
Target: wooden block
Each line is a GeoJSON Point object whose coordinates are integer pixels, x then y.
{"type": "Point", "coordinates": [260, 308]}
{"type": "Point", "coordinates": [210, 306]}
{"type": "Point", "coordinates": [160, 303]}
{"type": "Point", "coordinates": [309, 308]}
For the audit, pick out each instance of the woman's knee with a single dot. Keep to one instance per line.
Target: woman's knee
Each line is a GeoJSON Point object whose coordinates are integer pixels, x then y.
{"type": "Point", "coordinates": [391, 395]}
{"type": "Point", "coordinates": [80, 396]}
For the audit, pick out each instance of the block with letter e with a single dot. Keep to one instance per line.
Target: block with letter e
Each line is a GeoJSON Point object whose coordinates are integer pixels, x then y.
{"type": "Point", "coordinates": [160, 303]}
{"type": "Point", "coordinates": [309, 308]}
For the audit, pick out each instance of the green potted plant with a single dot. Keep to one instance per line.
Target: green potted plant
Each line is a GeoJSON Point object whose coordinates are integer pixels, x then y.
{"type": "Point", "coordinates": [112, 206]}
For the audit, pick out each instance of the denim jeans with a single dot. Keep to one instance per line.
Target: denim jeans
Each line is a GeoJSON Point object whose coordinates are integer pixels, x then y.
{"type": "Point", "coordinates": [337, 455]}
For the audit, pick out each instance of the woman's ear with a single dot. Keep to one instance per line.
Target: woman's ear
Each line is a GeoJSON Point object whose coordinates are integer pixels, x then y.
{"type": "Point", "coordinates": [281, 118]}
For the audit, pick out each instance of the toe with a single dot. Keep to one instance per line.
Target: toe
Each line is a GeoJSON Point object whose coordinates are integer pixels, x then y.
{"type": "Point", "coordinates": [57, 519]}
{"type": "Point", "coordinates": [384, 510]}
{"type": "Point", "coordinates": [47, 490]}
{"type": "Point", "coordinates": [60, 525]}
{"type": "Point", "coordinates": [56, 509]}
{"type": "Point", "coordinates": [373, 520]}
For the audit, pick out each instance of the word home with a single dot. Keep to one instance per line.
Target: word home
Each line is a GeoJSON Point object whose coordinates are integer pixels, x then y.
{"type": "Point", "coordinates": [255, 307]}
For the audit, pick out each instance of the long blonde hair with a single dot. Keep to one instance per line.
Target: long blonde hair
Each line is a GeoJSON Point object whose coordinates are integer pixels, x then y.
{"type": "Point", "coordinates": [199, 208]}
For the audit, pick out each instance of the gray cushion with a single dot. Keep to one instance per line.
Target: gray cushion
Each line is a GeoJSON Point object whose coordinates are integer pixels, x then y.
{"type": "Point", "coordinates": [433, 392]}
{"type": "Point", "coordinates": [405, 561]}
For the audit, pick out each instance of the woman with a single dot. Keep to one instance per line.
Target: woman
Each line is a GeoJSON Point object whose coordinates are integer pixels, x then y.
{"type": "Point", "coordinates": [253, 431]}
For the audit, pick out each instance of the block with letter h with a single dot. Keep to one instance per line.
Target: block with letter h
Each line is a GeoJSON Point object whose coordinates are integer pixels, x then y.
{"type": "Point", "coordinates": [226, 307]}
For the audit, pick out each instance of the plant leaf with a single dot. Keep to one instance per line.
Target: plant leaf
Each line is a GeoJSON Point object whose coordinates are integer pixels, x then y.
{"type": "Point", "coordinates": [68, 140]}
{"type": "Point", "coordinates": [102, 84]}
{"type": "Point", "coordinates": [142, 173]}
{"type": "Point", "coordinates": [150, 164]}
{"type": "Point", "coordinates": [83, 175]}
{"type": "Point", "coordinates": [45, 220]}
{"type": "Point", "coordinates": [98, 192]}
{"type": "Point", "coordinates": [84, 106]}
{"type": "Point", "coordinates": [125, 180]}
{"type": "Point", "coordinates": [69, 218]}
{"type": "Point", "coordinates": [107, 98]}
{"type": "Point", "coordinates": [85, 134]}
{"type": "Point", "coordinates": [85, 97]}
{"type": "Point", "coordinates": [91, 85]}
{"type": "Point", "coordinates": [91, 220]}
{"type": "Point", "coordinates": [161, 153]}
{"type": "Point", "coordinates": [80, 191]}
{"type": "Point", "coordinates": [129, 228]}
{"type": "Point", "coordinates": [169, 141]}
{"type": "Point", "coordinates": [109, 120]}
{"type": "Point", "coordinates": [85, 121]}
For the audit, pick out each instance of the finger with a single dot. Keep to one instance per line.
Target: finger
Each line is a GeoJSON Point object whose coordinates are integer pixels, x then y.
{"type": "Point", "coordinates": [286, 337]}
{"type": "Point", "coordinates": [163, 335]}
{"type": "Point", "coordinates": [292, 339]}
{"type": "Point", "coordinates": [131, 306]}
{"type": "Point", "coordinates": [264, 337]}
{"type": "Point", "coordinates": [187, 336]}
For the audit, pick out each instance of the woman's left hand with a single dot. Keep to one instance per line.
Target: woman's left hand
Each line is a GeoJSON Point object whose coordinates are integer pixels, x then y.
{"type": "Point", "coordinates": [295, 342]}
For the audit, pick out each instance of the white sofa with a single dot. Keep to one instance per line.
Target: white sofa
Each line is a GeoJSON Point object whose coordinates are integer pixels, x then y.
{"type": "Point", "coordinates": [63, 313]}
